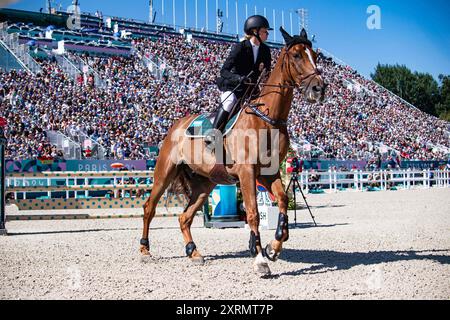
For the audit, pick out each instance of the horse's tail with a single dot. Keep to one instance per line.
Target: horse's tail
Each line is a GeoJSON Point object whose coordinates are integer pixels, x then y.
{"type": "Point", "coordinates": [182, 182]}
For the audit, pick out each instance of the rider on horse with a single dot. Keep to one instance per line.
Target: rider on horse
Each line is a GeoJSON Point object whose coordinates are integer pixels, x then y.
{"type": "Point", "coordinates": [250, 56]}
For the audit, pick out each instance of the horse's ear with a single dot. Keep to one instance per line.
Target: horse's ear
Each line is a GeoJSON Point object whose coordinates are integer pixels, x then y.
{"type": "Point", "coordinates": [287, 38]}
{"type": "Point", "coordinates": [303, 34]}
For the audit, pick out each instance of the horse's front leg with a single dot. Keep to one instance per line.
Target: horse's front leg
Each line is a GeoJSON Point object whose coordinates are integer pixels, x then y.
{"type": "Point", "coordinates": [274, 183]}
{"type": "Point", "coordinates": [248, 188]}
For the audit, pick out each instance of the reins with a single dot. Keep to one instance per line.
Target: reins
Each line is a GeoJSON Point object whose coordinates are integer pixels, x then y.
{"type": "Point", "coordinates": [293, 85]}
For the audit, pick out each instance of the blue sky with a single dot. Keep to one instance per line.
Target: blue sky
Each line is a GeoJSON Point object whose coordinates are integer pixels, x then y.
{"type": "Point", "coordinates": [415, 33]}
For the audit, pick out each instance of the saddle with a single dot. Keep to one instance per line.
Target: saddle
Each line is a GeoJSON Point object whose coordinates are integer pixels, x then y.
{"type": "Point", "coordinates": [200, 126]}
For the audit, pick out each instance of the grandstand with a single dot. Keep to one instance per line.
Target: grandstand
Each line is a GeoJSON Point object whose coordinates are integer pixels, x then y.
{"type": "Point", "coordinates": [116, 85]}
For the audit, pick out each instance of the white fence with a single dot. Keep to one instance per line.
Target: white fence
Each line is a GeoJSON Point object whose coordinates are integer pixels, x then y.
{"type": "Point", "coordinates": [75, 182]}
{"type": "Point", "coordinates": [382, 179]}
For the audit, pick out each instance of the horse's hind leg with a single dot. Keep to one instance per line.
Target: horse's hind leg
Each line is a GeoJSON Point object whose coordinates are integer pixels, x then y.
{"type": "Point", "coordinates": [201, 188]}
{"type": "Point", "coordinates": [165, 173]}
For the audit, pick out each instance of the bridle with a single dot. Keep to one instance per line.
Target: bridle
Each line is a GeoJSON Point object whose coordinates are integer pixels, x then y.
{"type": "Point", "coordinates": [303, 78]}
{"type": "Point", "coordinates": [292, 85]}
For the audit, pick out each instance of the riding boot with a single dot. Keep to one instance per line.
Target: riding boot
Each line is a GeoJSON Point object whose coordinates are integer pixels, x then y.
{"type": "Point", "coordinates": [220, 119]}
{"type": "Point", "coordinates": [219, 124]}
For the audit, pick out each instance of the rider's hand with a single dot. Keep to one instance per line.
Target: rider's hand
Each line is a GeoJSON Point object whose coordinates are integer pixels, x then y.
{"type": "Point", "coordinates": [245, 79]}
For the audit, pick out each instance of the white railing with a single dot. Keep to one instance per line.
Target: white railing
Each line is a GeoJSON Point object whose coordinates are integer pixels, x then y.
{"type": "Point", "coordinates": [23, 183]}
{"type": "Point", "coordinates": [80, 64]}
{"type": "Point", "coordinates": [17, 59]}
{"type": "Point", "coordinates": [150, 65]}
{"type": "Point", "coordinates": [20, 51]}
{"type": "Point", "coordinates": [68, 67]}
{"type": "Point", "coordinates": [382, 179]}
{"type": "Point", "coordinates": [98, 151]}
{"type": "Point", "coordinates": [71, 149]}
{"type": "Point", "coordinates": [8, 44]}
{"type": "Point", "coordinates": [155, 64]}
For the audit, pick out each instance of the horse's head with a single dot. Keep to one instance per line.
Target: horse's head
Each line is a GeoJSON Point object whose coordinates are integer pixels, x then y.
{"type": "Point", "coordinates": [300, 68]}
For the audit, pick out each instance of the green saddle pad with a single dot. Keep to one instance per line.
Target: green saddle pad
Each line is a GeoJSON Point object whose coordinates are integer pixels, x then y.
{"type": "Point", "coordinates": [201, 125]}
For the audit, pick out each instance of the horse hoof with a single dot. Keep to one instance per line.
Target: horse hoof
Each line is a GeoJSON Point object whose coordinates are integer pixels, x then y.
{"type": "Point", "coordinates": [260, 265]}
{"type": "Point", "coordinates": [144, 250]}
{"type": "Point", "coordinates": [263, 269]}
{"type": "Point", "coordinates": [146, 258]}
{"type": "Point", "coordinates": [198, 261]}
{"type": "Point", "coordinates": [271, 254]}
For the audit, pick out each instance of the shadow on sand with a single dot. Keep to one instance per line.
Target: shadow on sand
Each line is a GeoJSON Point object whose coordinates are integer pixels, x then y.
{"type": "Point", "coordinates": [323, 261]}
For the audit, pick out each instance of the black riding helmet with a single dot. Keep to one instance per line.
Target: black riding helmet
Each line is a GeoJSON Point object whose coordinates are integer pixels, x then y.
{"type": "Point", "coordinates": [256, 22]}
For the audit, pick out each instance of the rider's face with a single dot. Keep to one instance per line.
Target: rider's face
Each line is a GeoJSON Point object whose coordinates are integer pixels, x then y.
{"type": "Point", "coordinates": [263, 34]}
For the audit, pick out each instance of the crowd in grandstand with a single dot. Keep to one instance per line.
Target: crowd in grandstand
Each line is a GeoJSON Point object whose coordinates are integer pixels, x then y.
{"type": "Point", "coordinates": [354, 118]}
{"type": "Point", "coordinates": [135, 108]}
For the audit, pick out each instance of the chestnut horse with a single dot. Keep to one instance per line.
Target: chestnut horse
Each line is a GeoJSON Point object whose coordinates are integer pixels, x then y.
{"type": "Point", "coordinates": [188, 162]}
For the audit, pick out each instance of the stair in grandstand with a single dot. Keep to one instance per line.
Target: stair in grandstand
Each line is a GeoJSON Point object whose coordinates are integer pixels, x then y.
{"type": "Point", "coordinates": [439, 147]}
{"type": "Point", "coordinates": [71, 149]}
{"type": "Point", "coordinates": [83, 66]}
{"type": "Point", "coordinates": [8, 60]}
{"type": "Point", "coordinates": [19, 51]}
{"type": "Point", "coordinates": [97, 151]}
{"type": "Point", "coordinates": [157, 66]}
{"type": "Point", "coordinates": [305, 149]}
{"type": "Point", "coordinates": [67, 66]}
{"type": "Point", "coordinates": [383, 150]}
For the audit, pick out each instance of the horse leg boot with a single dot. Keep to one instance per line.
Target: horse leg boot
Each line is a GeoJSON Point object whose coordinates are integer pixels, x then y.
{"type": "Point", "coordinates": [200, 192]}
{"type": "Point", "coordinates": [273, 249]}
{"type": "Point", "coordinates": [248, 187]}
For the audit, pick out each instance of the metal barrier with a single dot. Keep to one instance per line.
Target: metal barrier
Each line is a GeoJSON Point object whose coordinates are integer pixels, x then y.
{"type": "Point", "coordinates": [68, 67]}
{"type": "Point", "coordinates": [71, 149]}
{"type": "Point", "coordinates": [382, 179]}
{"type": "Point", "coordinates": [20, 51]}
{"type": "Point", "coordinates": [77, 190]}
{"type": "Point", "coordinates": [2, 177]}
{"type": "Point", "coordinates": [67, 195]}
{"type": "Point", "coordinates": [47, 182]}
{"type": "Point", "coordinates": [81, 64]}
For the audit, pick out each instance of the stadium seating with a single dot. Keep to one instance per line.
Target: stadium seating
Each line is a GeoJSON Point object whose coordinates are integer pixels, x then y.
{"type": "Point", "coordinates": [359, 119]}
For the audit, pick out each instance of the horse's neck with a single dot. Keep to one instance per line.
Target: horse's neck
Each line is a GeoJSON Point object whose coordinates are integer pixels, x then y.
{"type": "Point", "coordinates": [277, 100]}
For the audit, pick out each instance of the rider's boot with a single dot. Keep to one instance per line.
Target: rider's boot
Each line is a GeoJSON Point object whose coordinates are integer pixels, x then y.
{"type": "Point", "coordinates": [219, 124]}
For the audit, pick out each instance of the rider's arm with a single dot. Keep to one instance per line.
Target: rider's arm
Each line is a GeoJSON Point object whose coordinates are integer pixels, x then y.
{"type": "Point", "coordinates": [268, 61]}
{"type": "Point", "coordinates": [230, 63]}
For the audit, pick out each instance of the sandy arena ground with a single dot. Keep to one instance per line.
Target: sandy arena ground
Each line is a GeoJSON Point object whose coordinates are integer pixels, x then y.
{"type": "Point", "coordinates": [382, 245]}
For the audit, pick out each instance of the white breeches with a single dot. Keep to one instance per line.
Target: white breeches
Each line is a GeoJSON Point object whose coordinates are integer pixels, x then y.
{"type": "Point", "coordinates": [228, 100]}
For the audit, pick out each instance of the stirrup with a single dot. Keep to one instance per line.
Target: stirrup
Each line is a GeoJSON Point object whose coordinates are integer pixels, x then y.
{"type": "Point", "coordinates": [209, 139]}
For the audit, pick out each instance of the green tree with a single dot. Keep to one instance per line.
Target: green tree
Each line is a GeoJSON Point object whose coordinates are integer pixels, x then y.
{"type": "Point", "coordinates": [419, 89]}
{"type": "Point", "coordinates": [425, 93]}
{"type": "Point", "coordinates": [443, 106]}
{"type": "Point", "coordinates": [398, 79]}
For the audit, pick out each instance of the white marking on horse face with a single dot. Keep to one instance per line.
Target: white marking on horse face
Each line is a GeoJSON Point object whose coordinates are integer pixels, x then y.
{"type": "Point", "coordinates": [310, 57]}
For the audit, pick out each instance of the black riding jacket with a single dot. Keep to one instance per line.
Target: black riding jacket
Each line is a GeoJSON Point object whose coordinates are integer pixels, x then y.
{"type": "Point", "coordinates": [239, 63]}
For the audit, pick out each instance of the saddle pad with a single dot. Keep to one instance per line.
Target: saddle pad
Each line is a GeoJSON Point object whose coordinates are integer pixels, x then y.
{"type": "Point", "coordinates": [201, 125]}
